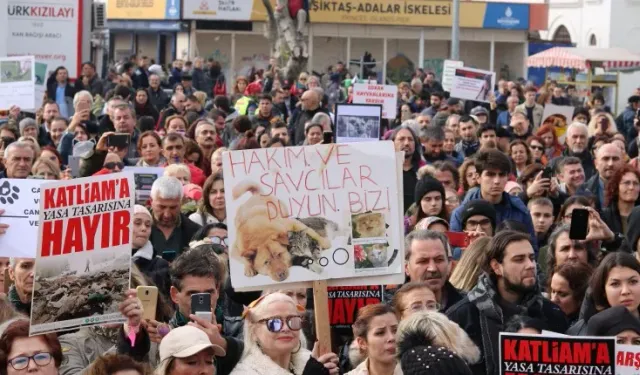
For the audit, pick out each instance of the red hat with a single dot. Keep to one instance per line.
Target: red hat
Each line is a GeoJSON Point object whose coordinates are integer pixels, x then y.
{"type": "Point", "coordinates": [192, 191]}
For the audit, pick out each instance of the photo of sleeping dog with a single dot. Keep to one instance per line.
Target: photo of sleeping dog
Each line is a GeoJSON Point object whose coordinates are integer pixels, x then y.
{"type": "Point", "coordinates": [271, 247]}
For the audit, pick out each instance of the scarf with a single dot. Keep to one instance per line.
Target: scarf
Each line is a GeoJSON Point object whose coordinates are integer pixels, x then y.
{"type": "Point", "coordinates": [14, 298]}
{"type": "Point", "coordinates": [486, 298]}
{"type": "Point", "coordinates": [469, 148]}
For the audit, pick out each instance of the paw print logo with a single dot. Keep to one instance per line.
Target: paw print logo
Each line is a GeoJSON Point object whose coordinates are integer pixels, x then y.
{"type": "Point", "coordinates": [8, 193]}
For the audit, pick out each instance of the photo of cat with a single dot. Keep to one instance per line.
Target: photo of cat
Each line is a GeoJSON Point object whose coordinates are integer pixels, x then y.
{"type": "Point", "coordinates": [368, 225]}
{"type": "Point", "coordinates": [305, 251]}
{"type": "Point", "coordinates": [371, 256]}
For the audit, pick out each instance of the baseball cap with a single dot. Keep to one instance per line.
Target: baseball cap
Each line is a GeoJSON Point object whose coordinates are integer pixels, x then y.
{"type": "Point", "coordinates": [477, 111]}
{"type": "Point", "coordinates": [183, 342]}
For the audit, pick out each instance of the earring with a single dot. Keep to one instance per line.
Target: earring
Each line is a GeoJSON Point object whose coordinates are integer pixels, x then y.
{"type": "Point", "coordinates": [299, 347]}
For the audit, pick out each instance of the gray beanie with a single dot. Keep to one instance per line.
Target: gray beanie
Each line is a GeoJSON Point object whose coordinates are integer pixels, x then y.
{"type": "Point", "coordinates": [25, 123]}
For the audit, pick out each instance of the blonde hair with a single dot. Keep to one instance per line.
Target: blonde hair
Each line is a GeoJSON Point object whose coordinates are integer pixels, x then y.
{"type": "Point", "coordinates": [219, 151]}
{"type": "Point", "coordinates": [440, 331]}
{"type": "Point", "coordinates": [33, 143]}
{"type": "Point", "coordinates": [426, 170]}
{"type": "Point", "coordinates": [53, 167]}
{"type": "Point", "coordinates": [612, 129]}
{"type": "Point", "coordinates": [465, 275]}
{"type": "Point", "coordinates": [202, 97]}
{"type": "Point", "coordinates": [173, 169]}
{"type": "Point", "coordinates": [258, 312]}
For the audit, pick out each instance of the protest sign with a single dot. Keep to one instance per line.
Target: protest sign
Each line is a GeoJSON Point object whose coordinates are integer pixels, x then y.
{"type": "Point", "coordinates": [17, 82]}
{"type": "Point", "coordinates": [344, 303]}
{"type": "Point", "coordinates": [627, 359]}
{"type": "Point", "coordinates": [144, 178]}
{"type": "Point", "coordinates": [385, 95]}
{"type": "Point", "coordinates": [448, 72]}
{"type": "Point", "coordinates": [472, 84]}
{"type": "Point", "coordinates": [358, 122]}
{"type": "Point", "coordinates": [558, 116]}
{"type": "Point", "coordinates": [539, 354]}
{"type": "Point", "coordinates": [83, 262]}
{"type": "Point", "coordinates": [20, 200]}
{"type": "Point", "coordinates": [310, 213]}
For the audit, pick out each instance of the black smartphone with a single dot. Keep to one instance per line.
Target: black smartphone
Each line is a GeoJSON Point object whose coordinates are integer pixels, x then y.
{"type": "Point", "coordinates": [201, 305]}
{"type": "Point", "coordinates": [547, 172]}
{"type": "Point", "coordinates": [119, 141]}
{"type": "Point", "coordinates": [579, 224]}
{"type": "Point", "coordinates": [604, 124]}
{"type": "Point", "coordinates": [327, 138]}
{"type": "Point", "coordinates": [169, 255]}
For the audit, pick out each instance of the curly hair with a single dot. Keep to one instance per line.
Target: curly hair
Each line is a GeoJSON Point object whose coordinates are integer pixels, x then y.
{"type": "Point", "coordinates": [612, 189]}
{"type": "Point", "coordinates": [526, 147]}
{"type": "Point", "coordinates": [462, 171]}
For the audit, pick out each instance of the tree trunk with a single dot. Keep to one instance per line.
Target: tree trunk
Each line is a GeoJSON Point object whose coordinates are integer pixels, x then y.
{"type": "Point", "coordinates": [285, 35]}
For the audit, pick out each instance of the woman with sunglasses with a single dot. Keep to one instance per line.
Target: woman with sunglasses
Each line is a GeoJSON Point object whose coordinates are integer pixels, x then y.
{"type": "Point", "coordinates": [21, 354]}
{"type": "Point", "coordinates": [274, 343]}
{"type": "Point", "coordinates": [112, 164]}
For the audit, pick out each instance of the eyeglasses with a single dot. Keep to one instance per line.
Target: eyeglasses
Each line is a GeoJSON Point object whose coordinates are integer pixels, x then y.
{"type": "Point", "coordinates": [220, 240]}
{"type": "Point", "coordinates": [276, 324]}
{"type": "Point", "coordinates": [473, 224]}
{"type": "Point", "coordinates": [427, 306]}
{"type": "Point", "coordinates": [112, 165]}
{"type": "Point", "coordinates": [22, 362]}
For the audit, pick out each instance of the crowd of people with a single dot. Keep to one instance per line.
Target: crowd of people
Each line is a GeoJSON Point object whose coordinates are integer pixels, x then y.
{"type": "Point", "coordinates": [497, 173]}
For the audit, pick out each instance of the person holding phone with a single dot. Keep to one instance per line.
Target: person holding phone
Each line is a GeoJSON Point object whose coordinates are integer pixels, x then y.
{"type": "Point", "coordinates": [602, 123]}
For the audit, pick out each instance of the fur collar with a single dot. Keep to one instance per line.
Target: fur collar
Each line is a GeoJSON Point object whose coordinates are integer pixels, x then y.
{"type": "Point", "coordinates": [145, 252]}
{"type": "Point", "coordinates": [255, 362]}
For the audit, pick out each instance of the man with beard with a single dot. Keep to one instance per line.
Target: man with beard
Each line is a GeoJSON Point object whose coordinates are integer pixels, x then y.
{"type": "Point", "coordinates": [608, 161]}
{"type": "Point", "coordinates": [428, 258]}
{"type": "Point", "coordinates": [405, 139]}
{"type": "Point", "coordinates": [494, 167]}
{"type": "Point", "coordinates": [171, 230]}
{"type": "Point", "coordinates": [519, 124]}
{"type": "Point", "coordinates": [577, 140]}
{"type": "Point", "coordinates": [468, 144]}
{"type": "Point", "coordinates": [432, 139]}
{"type": "Point", "coordinates": [508, 287]}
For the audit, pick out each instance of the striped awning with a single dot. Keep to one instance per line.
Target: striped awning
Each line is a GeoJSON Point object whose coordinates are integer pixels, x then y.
{"type": "Point", "coordinates": [581, 58]}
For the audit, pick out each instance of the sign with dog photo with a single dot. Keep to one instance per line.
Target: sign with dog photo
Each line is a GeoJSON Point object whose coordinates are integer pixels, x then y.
{"type": "Point", "coordinates": [321, 212]}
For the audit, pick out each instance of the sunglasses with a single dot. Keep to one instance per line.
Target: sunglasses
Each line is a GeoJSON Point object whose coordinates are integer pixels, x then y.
{"type": "Point", "coordinates": [536, 147]}
{"type": "Point", "coordinates": [112, 165]}
{"type": "Point", "coordinates": [224, 241]}
{"type": "Point", "coordinates": [276, 324]}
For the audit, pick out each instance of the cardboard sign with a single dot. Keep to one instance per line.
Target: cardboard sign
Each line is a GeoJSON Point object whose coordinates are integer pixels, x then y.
{"type": "Point", "coordinates": [540, 354]}
{"type": "Point", "coordinates": [83, 264]}
{"type": "Point", "coordinates": [358, 122]}
{"type": "Point", "coordinates": [17, 82]}
{"type": "Point", "coordinates": [385, 95]}
{"type": "Point", "coordinates": [321, 212]}
{"type": "Point", "coordinates": [473, 84]}
{"type": "Point", "coordinates": [448, 72]}
{"type": "Point", "coordinates": [20, 200]}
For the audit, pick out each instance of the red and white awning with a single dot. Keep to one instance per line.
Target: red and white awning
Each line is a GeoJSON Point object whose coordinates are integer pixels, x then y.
{"type": "Point", "coordinates": [582, 58]}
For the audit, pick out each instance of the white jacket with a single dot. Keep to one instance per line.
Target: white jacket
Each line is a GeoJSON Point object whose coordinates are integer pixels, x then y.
{"type": "Point", "coordinates": [256, 363]}
{"type": "Point", "coordinates": [363, 369]}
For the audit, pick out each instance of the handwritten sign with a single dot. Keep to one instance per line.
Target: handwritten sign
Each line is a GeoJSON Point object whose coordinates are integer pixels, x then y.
{"type": "Point", "coordinates": [386, 95]}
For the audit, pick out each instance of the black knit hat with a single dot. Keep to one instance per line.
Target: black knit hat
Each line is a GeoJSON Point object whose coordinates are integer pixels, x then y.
{"type": "Point", "coordinates": [612, 321]}
{"type": "Point", "coordinates": [432, 360]}
{"type": "Point", "coordinates": [426, 185]}
{"type": "Point", "coordinates": [479, 207]}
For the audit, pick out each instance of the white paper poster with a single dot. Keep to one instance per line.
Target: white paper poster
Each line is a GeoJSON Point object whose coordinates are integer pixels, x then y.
{"type": "Point", "coordinates": [144, 178]}
{"type": "Point", "coordinates": [558, 116]}
{"type": "Point", "coordinates": [473, 84]}
{"type": "Point", "coordinates": [627, 359]}
{"type": "Point", "coordinates": [4, 27]}
{"type": "Point", "coordinates": [47, 30]}
{"type": "Point", "coordinates": [17, 82]}
{"type": "Point", "coordinates": [299, 214]}
{"type": "Point", "coordinates": [83, 262]}
{"type": "Point", "coordinates": [448, 71]}
{"type": "Point", "coordinates": [20, 200]}
{"type": "Point", "coordinates": [358, 122]}
{"type": "Point", "coordinates": [385, 95]}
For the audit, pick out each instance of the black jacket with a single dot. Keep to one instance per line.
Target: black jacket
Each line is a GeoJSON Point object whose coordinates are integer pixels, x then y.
{"type": "Point", "coordinates": [296, 127]}
{"type": "Point", "coordinates": [181, 236]}
{"type": "Point", "coordinates": [633, 230]}
{"type": "Point", "coordinates": [156, 269]}
{"type": "Point", "coordinates": [69, 90]}
{"type": "Point", "coordinates": [483, 315]}
{"type": "Point", "coordinates": [593, 186]}
{"type": "Point", "coordinates": [587, 161]}
{"type": "Point", "coordinates": [158, 98]}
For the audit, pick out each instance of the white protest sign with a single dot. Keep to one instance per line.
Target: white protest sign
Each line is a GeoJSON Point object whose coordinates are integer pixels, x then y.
{"type": "Point", "coordinates": [386, 95]}
{"type": "Point", "coordinates": [448, 71]}
{"type": "Point", "coordinates": [321, 212]}
{"type": "Point", "coordinates": [559, 117]}
{"type": "Point", "coordinates": [20, 200]}
{"type": "Point", "coordinates": [17, 82]}
{"type": "Point", "coordinates": [358, 122]}
{"type": "Point", "coordinates": [472, 84]}
{"type": "Point", "coordinates": [627, 359]}
{"type": "Point", "coordinates": [83, 262]}
{"type": "Point", "coordinates": [144, 178]}
{"type": "Point", "coordinates": [4, 27]}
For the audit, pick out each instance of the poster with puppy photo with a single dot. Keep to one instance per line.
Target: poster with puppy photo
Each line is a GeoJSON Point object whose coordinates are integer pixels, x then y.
{"type": "Point", "coordinates": [321, 212]}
